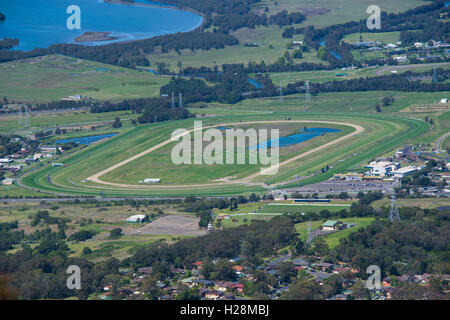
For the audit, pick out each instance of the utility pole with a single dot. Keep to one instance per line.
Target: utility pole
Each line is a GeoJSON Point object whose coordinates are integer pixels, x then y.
{"type": "Point", "coordinates": [180, 103]}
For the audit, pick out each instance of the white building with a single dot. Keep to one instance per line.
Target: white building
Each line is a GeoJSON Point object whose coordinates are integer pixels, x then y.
{"type": "Point", "coordinates": [152, 180]}
{"type": "Point", "coordinates": [8, 182]}
{"type": "Point", "coordinates": [403, 172]}
{"type": "Point", "coordinates": [444, 100]}
{"type": "Point", "coordinates": [6, 160]}
{"type": "Point", "coordinates": [138, 218]}
{"type": "Point", "coordinates": [382, 168]}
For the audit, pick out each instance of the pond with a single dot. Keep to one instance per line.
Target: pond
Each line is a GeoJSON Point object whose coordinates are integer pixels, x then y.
{"type": "Point", "coordinates": [88, 140]}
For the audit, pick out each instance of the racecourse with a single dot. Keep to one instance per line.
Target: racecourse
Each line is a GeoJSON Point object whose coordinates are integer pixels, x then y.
{"type": "Point", "coordinates": [379, 135]}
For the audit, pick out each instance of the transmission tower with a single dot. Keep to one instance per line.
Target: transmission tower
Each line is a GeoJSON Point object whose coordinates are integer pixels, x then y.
{"type": "Point", "coordinates": [281, 91]}
{"type": "Point", "coordinates": [309, 236]}
{"type": "Point", "coordinates": [307, 95]}
{"type": "Point", "coordinates": [27, 117]}
{"type": "Point", "coordinates": [434, 76]}
{"type": "Point", "coordinates": [393, 210]}
{"type": "Point", "coordinates": [173, 101]}
{"type": "Point", "coordinates": [20, 117]}
{"type": "Point", "coordinates": [180, 103]}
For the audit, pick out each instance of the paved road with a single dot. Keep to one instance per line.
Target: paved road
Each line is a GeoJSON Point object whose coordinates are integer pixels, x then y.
{"type": "Point", "coordinates": [439, 141]}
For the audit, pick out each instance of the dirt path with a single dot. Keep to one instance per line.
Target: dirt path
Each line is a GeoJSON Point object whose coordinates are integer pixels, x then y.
{"type": "Point", "coordinates": [96, 177]}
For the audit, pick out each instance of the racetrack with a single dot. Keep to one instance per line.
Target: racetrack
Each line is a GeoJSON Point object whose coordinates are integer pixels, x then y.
{"type": "Point", "coordinates": [96, 177]}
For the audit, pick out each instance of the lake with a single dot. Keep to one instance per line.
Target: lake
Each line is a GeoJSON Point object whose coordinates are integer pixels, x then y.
{"type": "Point", "coordinates": [297, 138]}
{"type": "Point", "coordinates": [88, 140]}
{"type": "Point", "coordinates": [39, 24]}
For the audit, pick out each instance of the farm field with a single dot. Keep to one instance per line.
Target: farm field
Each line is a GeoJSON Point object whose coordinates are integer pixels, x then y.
{"type": "Point", "coordinates": [99, 218]}
{"type": "Point", "coordinates": [425, 203]}
{"type": "Point", "coordinates": [52, 77]}
{"type": "Point", "coordinates": [386, 37]}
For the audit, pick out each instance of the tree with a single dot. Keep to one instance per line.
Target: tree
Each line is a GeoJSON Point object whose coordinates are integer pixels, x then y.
{"type": "Point", "coordinates": [115, 233]}
{"type": "Point", "coordinates": [117, 124]}
{"type": "Point", "coordinates": [286, 271]}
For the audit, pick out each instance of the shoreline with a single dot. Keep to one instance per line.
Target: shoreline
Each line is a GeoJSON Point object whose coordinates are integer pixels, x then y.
{"type": "Point", "coordinates": [99, 36]}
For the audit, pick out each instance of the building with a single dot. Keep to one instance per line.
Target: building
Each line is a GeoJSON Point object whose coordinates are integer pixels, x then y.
{"type": "Point", "coordinates": [403, 172]}
{"type": "Point", "coordinates": [444, 100]}
{"type": "Point", "coordinates": [332, 225]}
{"type": "Point", "coordinates": [349, 176]}
{"type": "Point", "coordinates": [138, 218]}
{"type": "Point", "coordinates": [6, 160]}
{"type": "Point", "coordinates": [8, 182]}
{"type": "Point", "coordinates": [382, 168]}
{"type": "Point", "coordinates": [152, 180]}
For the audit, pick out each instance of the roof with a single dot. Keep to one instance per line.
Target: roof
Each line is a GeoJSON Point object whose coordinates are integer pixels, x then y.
{"type": "Point", "coordinates": [330, 223]}
{"type": "Point", "coordinates": [136, 217]}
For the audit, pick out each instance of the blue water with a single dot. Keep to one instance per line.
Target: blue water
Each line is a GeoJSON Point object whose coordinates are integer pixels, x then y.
{"type": "Point", "coordinates": [39, 24]}
{"type": "Point", "coordinates": [87, 140]}
{"type": "Point", "coordinates": [296, 138]}
{"type": "Point", "coordinates": [256, 84]}
{"type": "Point", "coordinates": [335, 54]}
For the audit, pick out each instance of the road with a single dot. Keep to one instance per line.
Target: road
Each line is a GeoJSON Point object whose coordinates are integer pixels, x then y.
{"type": "Point", "coordinates": [439, 141]}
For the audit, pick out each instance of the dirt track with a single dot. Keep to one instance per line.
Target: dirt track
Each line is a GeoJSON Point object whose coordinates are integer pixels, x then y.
{"type": "Point", "coordinates": [96, 177]}
{"type": "Point", "coordinates": [172, 225]}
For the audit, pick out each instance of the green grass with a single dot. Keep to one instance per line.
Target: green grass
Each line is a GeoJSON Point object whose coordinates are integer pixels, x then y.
{"type": "Point", "coordinates": [276, 208]}
{"type": "Point", "coordinates": [333, 239]}
{"type": "Point", "coordinates": [386, 37]}
{"type": "Point", "coordinates": [424, 203]}
{"type": "Point", "coordinates": [52, 77]}
{"type": "Point", "coordinates": [67, 118]}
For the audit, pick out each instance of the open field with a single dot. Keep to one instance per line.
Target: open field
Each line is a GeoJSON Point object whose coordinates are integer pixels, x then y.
{"type": "Point", "coordinates": [52, 77]}
{"type": "Point", "coordinates": [320, 13]}
{"type": "Point", "coordinates": [335, 11]}
{"type": "Point", "coordinates": [424, 203]}
{"type": "Point", "coordinates": [96, 217]}
{"type": "Point", "coordinates": [386, 37]}
{"type": "Point", "coordinates": [297, 208]}
{"type": "Point", "coordinates": [332, 239]}
{"type": "Point", "coordinates": [172, 225]}
{"type": "Point", "coordinates": [66, 118]}
{"type": "Point", "coordinates": [321, 76]}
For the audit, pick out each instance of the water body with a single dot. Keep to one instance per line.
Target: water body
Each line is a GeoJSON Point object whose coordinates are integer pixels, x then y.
{"type": "Point", "coordinates": [256, 84]}
{"type": "Point", "coordinates": [287, 141]}
{"type": "Point", "coordinates": [335, 54]}
{"type": "Point", "coordinates": [39, 24]}
{"type": "Point", "coordinates": [88, 140]}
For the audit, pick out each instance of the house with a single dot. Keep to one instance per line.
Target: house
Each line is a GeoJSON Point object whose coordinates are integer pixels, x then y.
{"type": "Point", "coordinates": [213, 294]}
{"type": "Point", "coordinates": [324, 266]}
{"type": "Point", "coordinates": [6, 160]}
{"type": "Point", "coordinates": [223, 286]}
{"type": "Point", "coordinates": [239, 287]}
{"type": "Point", "coordinates": [147, 270]}
{"type": "Point", "coordinates": [301, 263]}
{"type": "Point", "coordinates": [238, 269]}
{"type": "Point", "coordinates": [444, 100]}
{"type": "Point", "coordinates": [332, 225]}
